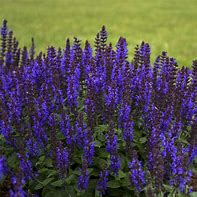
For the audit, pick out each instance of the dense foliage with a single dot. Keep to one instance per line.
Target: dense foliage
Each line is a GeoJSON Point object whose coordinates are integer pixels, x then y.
{"type": "Point", "coordinates": [78, 123]}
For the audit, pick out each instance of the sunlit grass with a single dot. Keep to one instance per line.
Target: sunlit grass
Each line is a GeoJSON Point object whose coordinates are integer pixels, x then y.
{"type": "Point", "coordinates": [168, 25]}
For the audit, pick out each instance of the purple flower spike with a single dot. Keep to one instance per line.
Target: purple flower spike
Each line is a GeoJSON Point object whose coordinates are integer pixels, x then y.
{"type": "Point", "coordinates": [102, 183]}
{"type": "Point", "coordinates": [83, 180]}
{"type": "Point", "coordinates": [137, 176]}
{"type": "Point", "coordinates": [2, 167]}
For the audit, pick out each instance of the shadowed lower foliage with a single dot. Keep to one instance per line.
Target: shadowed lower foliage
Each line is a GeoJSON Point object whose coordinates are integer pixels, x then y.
{"type": "Point", "coordinates": [75, 122]}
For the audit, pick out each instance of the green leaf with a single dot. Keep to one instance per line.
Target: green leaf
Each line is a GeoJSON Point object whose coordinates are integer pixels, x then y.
{"type": "Point", "coordinates": [58, 183]}
{"type": "Point", "coordinates": [53, 173]}
{"type": "Point", "coordinates": [102, 127]}
{"type": "Point", "coordinates": [97, 144]}
{"type": "Point", "coordinates": [85, 194]}
{"type": "Point", "coordinates": [47, 189]}
{"type": "Point", "coordinates": [118, 131]}
{"type": "Point", "coordinates": [128, 194]}
{"type": "Point", "coordinates": [97, 194]}
{"type": "Point", "coordinates": [42, 158]}
{"type": "Point", "coordinates": [13, 161]}
{"type": "Point", "coordinates": [168, 187]}
{"type": "Point", "coordinates": [99, 162]}
{"type": "Point", "coordinates": [76, 171]}
{"type": "Point", "coordinates": [115, 192]}
{"type": "Point", "coordinates": [70, 191]}
{"type": "Point", "coordinates": [48, 163]}
{"type": "Point", "coordinates": [125, 182]}
{"type": "Point", "coordinates": [77, 159]}
{"type": "Point", "coordinates": [95, 172]}
{"type": "Point", "coordinates": [32, 184]}
{"type": "Point", "coordinates": [123, 160]}
{"type": "Point", "coordinates": [102, 153]}
{"type": "Point", "coordinates": [80, 102]}
{"type": "Point", "coordinates": [113, 184]}
{"type": "Point", "coordinates": [193, 194]}
{"type": "Point", "coordinates": [143, 140]}
{"type": "Point", "coordinates": [40, 161]}
{"type": "Point", "coordinates": [90, 170]}
{"type": "Point", "coordinates": [44, 171]}
{"type": "Point", "coordinates": [47, 181]}
{"type": "Point", "coordinates": [39, 186]}
{"type": "Point", "coordinates": [60, 136]}
{"type": "Point", "coordinates": [2, 138]}
{"type": "Point", "coordinates": [70, 179]}
{"type": "Point", "coordinates": [50, 194]}
{"type": "Point", "coordinates": [56, 193]}
{"type": "Point", "coordinates": [81, 108]}
{"type": "Point", "coordinates": [121, 175]}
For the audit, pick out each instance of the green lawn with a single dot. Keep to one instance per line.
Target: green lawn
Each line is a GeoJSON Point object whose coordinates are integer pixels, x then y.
{"type": "Point", "coordinates": [169, 25]}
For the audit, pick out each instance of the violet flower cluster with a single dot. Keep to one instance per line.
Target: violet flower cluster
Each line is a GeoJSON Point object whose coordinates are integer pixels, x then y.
{"type": "Point", "coordinates": [51, 104]}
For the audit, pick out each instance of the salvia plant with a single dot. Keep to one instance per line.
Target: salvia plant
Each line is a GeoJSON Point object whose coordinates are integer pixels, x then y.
{"type": "Point", "coordinates": [88, 122]}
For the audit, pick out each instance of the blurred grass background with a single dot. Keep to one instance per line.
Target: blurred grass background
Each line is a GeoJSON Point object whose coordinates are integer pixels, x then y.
{"type": "Point", "coordinates": [167, 25]}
